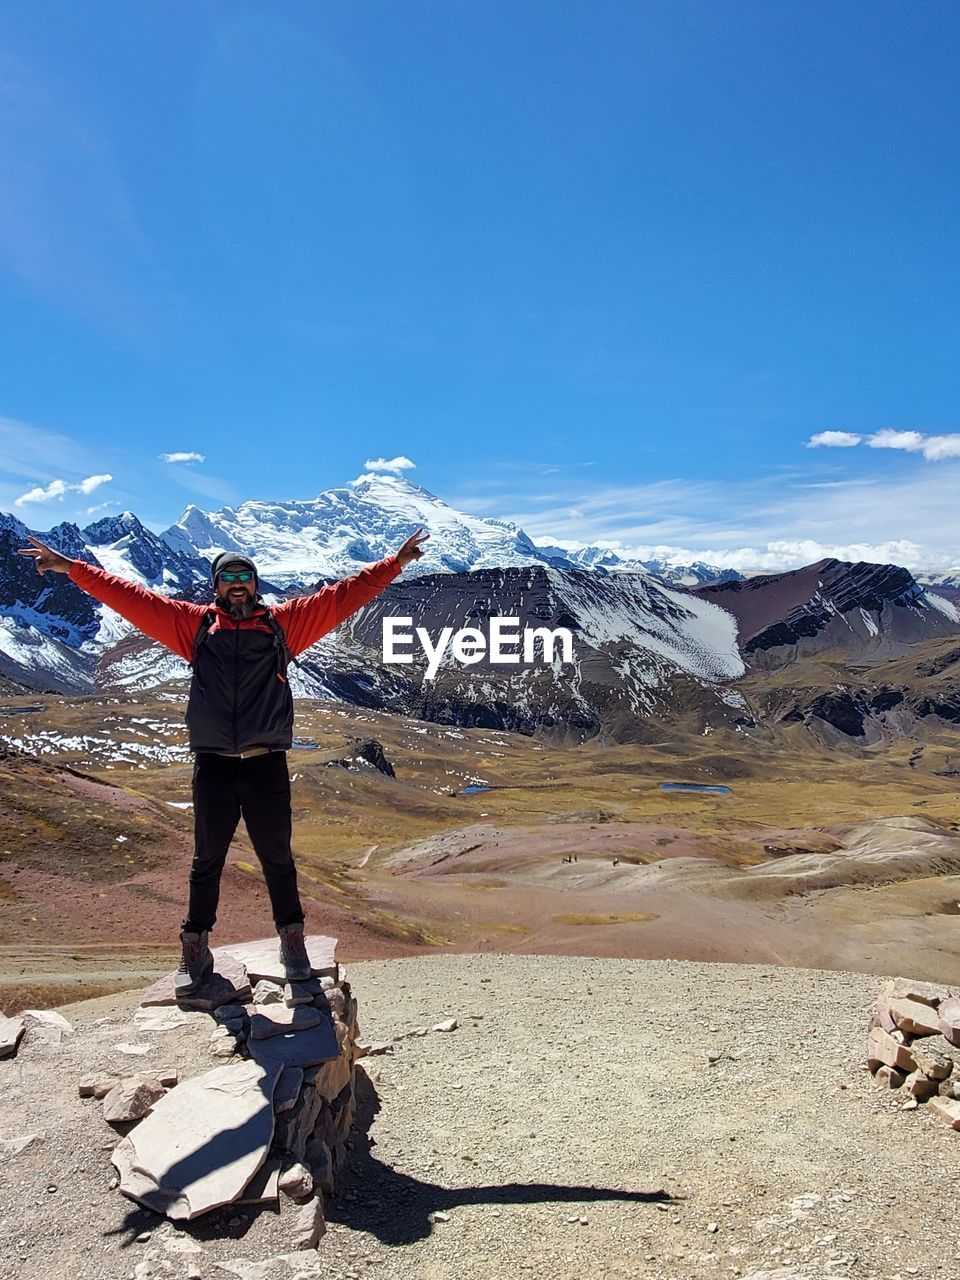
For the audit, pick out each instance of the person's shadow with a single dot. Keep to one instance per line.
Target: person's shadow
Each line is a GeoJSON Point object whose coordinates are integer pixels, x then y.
{"type": "Point", "coordinates": [396, 1208]}
{"type": "Point", "coordinates": [370, 1196]}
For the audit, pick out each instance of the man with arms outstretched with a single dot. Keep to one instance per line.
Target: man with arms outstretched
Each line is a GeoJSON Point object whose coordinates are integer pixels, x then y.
{"type": "Point", "coordinates": [240, 719]}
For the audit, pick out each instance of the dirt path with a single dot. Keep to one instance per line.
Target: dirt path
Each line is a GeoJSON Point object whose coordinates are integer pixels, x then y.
{"type": "Point", "coordinates": [575, 1129]}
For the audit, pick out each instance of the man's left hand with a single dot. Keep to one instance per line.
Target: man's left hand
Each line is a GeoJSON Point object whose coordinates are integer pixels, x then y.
{"type": "Point", "coordinates": [411, 548]}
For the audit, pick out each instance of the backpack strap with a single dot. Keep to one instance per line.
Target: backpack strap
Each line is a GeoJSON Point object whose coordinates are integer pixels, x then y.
{"type": "Point", "coordinates": [206, 622]}
{"type": "Point", "coordinates": [284, 656]}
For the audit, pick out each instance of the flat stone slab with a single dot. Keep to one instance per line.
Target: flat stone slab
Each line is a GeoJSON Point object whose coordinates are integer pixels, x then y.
{"type": "Point", "coordinates": [11, 1029]}
{"type": "Point", "coordinates": [202, 1143]}
{"type": "Point", "coordinates": [227, 984]}
{"type": "Point", "coordinates": [263, 1187]}
{"type": "Point", "coordinates": [307, 1048]}
{"type": "Point", "coordinates": [950, 1021]}
{"type": "Point", "coordinates": [168, 1017]}
{"type": "Point", "coordinates": [288, 1088]}
{"type": "Point", "coordinates": [261, 959]}
{"type": "Point", "coordinates": [278, 1019]}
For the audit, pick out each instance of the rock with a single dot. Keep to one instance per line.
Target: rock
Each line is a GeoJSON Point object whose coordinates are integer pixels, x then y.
{"type": "Point", "coordinates": [166, 1017]}
{"type": "Point", "coordinates": [882, 1017]}
{"type": "Point", "coordinates": [451, 1024]}
{"type": "Point", "coordinates": [932, 1060]}
{"type": "Point", "coordinates": [267, 993]}
{"type": "Point", "coordinates": [230, 1013]}
{"type": "Point", "coordinates": [13, 1146]}
{"type": "Point", "coordinates": [223, 1043]}
{"type": "Point", "coordinates": [298, 1049]}
{"type": "Point", "coordinates": [96, 1086]}
{"type": "Point", "coordinates": [134, 1050]}
{"type": "Point", "coordinates": [202, 1143]}
{"type": "Point", "coordinates": [11, 1029]}
{"type": "Point", "coordinates": [295, 1129]}
{"type": "Point", "coordinates": [131, 1098]}
{"type": "Point", "coordinates": [889, 1077]}
{"type": "Point", "coordinates": [926, 992]}
{"type": "Point", "coordinates": [261, 959]}
{"type": "Point", "coordinates": [334, 1000]}
{"type": "Point", "coordinates": [288, 1089]}
{"type": "Point", "coordinates": [915, 1017]}
{"type": "Point", "coordinates": [883, 1050]}
{"type": "Point", "coordinates": [318, 1157]}
{"type": "Point", "coordinates": [301, 992]}
{"type": "Point", "coordinates": [371, 1050]}
{"type": "Point", "coordinates": [950, 1089]}
{"type": "Point", "coordinates": [950, 1020]}
{"type": "Point", "coordinates": [947, 1109]}
{"type": "Point", "coordinates": [331, 1078]}
{"type": "Point", "coordinates": [227, 984]}
{"type": "Point", "coordinates": [296, 1181]}
{"type": "Point", "coordinates": [310, 1224]}
{"type": "Point", "coordinates": [46, 1025]}
{"type": "Point", "coordinates": [278, 1019]}
{"type": "Point", "coordinates": [920, 1085]}
{"type": "Point", "coordinates": [263, 1187]}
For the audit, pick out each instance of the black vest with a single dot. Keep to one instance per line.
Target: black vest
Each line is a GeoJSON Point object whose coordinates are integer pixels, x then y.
{"type": "Point", "coordinates": [239, 696]}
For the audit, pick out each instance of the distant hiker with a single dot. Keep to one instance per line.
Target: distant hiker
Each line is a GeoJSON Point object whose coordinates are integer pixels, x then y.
{"type": "Point", "coordinates": [240, 720]}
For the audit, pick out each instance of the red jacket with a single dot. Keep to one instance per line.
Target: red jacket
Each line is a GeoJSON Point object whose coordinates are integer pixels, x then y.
{"type": "Point", "coordinates": [175, 622]}
{"type": "Point", "coordinates": [238, 700]}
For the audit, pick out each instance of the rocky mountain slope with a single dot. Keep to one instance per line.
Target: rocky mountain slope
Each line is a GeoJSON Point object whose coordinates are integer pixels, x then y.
{"type": "Point", "coordinates": [643, 651]}
{"type": "Point", "coordinates": [865, 609]}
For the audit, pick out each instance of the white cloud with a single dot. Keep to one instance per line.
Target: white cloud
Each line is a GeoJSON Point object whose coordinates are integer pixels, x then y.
{"type": "Point", "coordinates": [833, 440]}
{"type": "Point", "coordinates": [101, 506]}
{"type": "Point", "coordinates": [183, 457]}
{"type": "Point", "coordinates": [55, 489]}
{"type": "Point", "coordinates": [91, 483]}
{"type": "Point", "coordinates": [936, 448]}
{"type": "Point", "coordinates": [910, 441]}
{"type": "Point", "coordinates": [398, 464]}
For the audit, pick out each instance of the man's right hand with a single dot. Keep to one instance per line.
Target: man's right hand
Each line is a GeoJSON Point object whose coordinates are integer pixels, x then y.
{"type": "Point", "coordinates": [45, 557]}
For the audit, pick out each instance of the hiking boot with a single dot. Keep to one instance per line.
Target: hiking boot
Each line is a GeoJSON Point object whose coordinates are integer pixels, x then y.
{"type": "Point", "coordinates": [196, 962]}
{"type": "Point", "coordinates": [293, 953]}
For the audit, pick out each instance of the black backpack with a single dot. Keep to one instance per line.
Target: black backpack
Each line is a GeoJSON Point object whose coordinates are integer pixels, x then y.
{"type": "Point", "coordinates": [284, 656]}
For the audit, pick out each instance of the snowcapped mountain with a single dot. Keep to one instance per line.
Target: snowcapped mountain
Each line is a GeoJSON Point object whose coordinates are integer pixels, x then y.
{"type": "Point", "coordinates": [832, 605]}
{"type": "Point", "coordinates": [296, 544]}
{"type": "Point", "coordinates": [675, 573]}
{"type": "Point", "coordinates": [942, 582]}
{"type": "Point", "coordinates": [644, 629]}
{"type": "Point", "coordinates": [126, 547]}
{"type": "Point", "coordinates": [638, 649]}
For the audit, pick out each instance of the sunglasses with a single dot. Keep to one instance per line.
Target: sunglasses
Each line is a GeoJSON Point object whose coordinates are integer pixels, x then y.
{"type": "Point", "coordinates": [245, 575]}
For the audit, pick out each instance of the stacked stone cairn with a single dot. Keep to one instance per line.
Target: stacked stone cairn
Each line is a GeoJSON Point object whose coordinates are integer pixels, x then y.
{"type": "Point", "coordinates": [913, 1046]}
{"type": "Point", "coordinates": [267, 1125]}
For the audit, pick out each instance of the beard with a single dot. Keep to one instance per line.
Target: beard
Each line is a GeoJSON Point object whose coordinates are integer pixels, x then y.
{"type": "Point", "coordinates": [237, 609]}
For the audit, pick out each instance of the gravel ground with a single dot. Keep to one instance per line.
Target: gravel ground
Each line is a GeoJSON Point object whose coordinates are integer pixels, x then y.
{"type": "Point", "coordinates": [572, 1126]}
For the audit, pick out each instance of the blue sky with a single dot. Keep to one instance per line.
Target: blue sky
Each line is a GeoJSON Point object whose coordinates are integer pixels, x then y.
{"type": "Point", "coordinates": [602, 268]}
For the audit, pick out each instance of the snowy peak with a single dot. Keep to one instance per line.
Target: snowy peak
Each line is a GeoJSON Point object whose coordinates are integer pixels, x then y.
{"type": "Point", "coordinates": [297, 543]}
{"type": "Point", "coordinates": [832, 604]}
{"type": "Point", "coordinates": [125, 547]}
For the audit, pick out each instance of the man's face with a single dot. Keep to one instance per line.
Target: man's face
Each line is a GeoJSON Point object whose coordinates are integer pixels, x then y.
{"type": "Point", "coordinates": [236, 597]}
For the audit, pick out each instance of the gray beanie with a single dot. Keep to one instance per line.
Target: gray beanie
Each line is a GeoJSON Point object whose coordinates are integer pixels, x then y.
{"type": "Point", "coordinates": [232, 557]}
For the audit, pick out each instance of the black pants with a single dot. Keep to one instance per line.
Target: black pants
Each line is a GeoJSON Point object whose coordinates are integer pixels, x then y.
{"type": "Point", "coordinates": [224, 788]}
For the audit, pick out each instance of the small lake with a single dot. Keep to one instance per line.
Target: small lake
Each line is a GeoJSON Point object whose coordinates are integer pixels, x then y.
{"type": "Point", "coordinates": [305, 744]}
{"type": "Point", "coordinates": [472, 791]}
{"type": "Point", "coordinates": [695, 786]}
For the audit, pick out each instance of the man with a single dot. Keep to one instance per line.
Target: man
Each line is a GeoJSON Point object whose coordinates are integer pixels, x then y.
{"type": "Point", "coordinates": [239, 718]}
